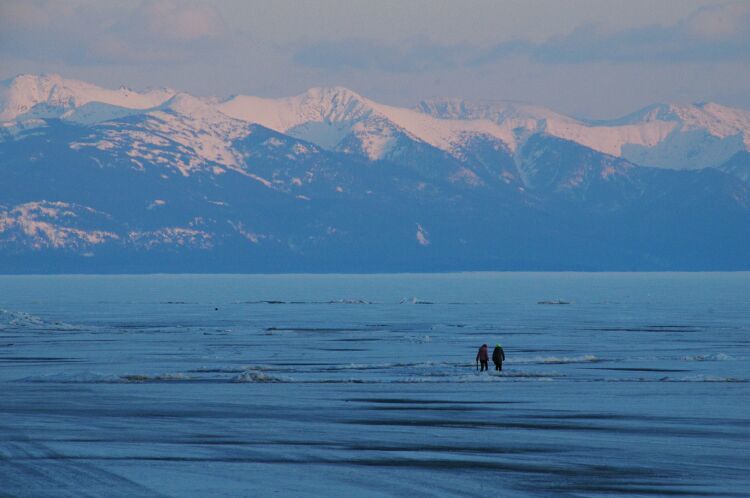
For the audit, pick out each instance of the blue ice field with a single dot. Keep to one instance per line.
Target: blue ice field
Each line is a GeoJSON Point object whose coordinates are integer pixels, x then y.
{"type": "Point", "coordinates": [345, 385]}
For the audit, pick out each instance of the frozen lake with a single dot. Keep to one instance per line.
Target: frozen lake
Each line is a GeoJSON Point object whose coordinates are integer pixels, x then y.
{"type": "Point", "coordinates": [366, 385]}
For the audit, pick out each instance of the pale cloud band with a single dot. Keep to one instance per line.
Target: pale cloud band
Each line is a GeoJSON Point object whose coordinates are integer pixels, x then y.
{"type": "Point", "coordinates": [283, 47]}
{"type": "Point", "coordinates": [712, 34]}
{"type": "Point", "coordinates": [86, 32]}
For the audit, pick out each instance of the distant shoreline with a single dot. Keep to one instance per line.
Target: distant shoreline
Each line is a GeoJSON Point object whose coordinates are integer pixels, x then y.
{"type": "Point", "coordinates": [368, 274]}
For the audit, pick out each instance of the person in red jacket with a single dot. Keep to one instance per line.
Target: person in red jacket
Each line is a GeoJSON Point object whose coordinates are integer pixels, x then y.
{"type": "Point", "coordinates": [498, 357]}
{"type": "Point", "coordinates": [483, 358]}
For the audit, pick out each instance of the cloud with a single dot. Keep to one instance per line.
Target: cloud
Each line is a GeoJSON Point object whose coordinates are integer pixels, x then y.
{"type": "Point", "coordinates": [710, 34]}
{"type": "Point", "coordinates": [161, 31]}
{"type": "Point", "coordinates": [174, 21]}
{"type": "Point", "coordinates": [26, 15]}
{"type": "Point", "coordinates": [364, 54]}
{"type": "Point", "coordinates": [725, 22]}
{"type": "Point", "coordinates": [85, 32]}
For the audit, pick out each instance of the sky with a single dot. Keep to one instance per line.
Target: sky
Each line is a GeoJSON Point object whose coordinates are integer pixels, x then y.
{"type": "Point", "coordinates": [588, 58]}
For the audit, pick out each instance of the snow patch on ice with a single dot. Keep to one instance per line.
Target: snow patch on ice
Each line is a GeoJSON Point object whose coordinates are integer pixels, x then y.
{"type": "Point", "coordinates": [157, 203]}
{"type": "Point", "coordinates": [255, 376]}
{"type": "Point", "coordinates": [85, 377]}
{"type": "Point", "coordinates": [418, 339]}
{"type": "Point", "coordinates": [153, 378]}
{"type": "Point", "coordinates": [478, 377]}
{"type": "Point", "coordinates": [423, 236]}
{"type": "Point", "coordinates": [709, 357]}
{"type": "Point", "coordinates": [703, 378]}
{"type": "Point", "coordinates": [14, 320]}
{"type": "Point", "coordinates": [414, 300]}
{"type": "Point", "coordinates": [554, 360]}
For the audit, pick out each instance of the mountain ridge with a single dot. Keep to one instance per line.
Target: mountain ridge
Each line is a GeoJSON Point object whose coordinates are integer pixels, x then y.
{"type": "Point", "coordinates": [659, 135]}
{"type": "Point", "coordinates": [343, 183]}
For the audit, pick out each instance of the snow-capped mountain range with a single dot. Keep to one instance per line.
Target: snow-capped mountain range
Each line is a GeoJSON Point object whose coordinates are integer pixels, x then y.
{"type": "Point", "coordinates": [466, 166]}
{"type": "Point", "coordinates": [662, 135]}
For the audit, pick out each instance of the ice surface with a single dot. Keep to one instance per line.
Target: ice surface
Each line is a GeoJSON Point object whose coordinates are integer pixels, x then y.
{"type": "Point", "coordinates": [330, 386]}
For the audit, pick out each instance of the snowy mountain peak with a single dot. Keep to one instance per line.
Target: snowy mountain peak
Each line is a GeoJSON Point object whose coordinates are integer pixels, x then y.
{"type": "Point", "coordinates": [189, 105]}
{"type": "Point", "coordinates": [330, 116]}
{"type": "Point", "coordinates": [658, 135]}
{"type": "Point", "coordinates": [498, 111]}
{"type": "Point", "coordinates": [333, 104]}
{"type": "Point", "coordinates": [718, 119]}
{"type": "Point", "coordinates": [337, 118]}
{"type": "Point", "coordinates": [29, 96]}
{"type": "Point", "coordinates": [323, 104]}
{"type": "Point", "coordinates": [331, 94]}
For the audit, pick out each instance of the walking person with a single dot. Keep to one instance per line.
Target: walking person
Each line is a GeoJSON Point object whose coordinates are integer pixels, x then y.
{"type": "Point", "coordinates": [483, 358]}
{"type": "Point", "coordinates": [498, 357]}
